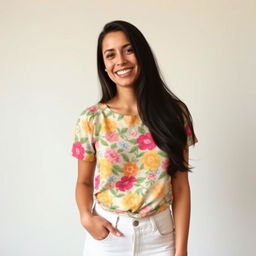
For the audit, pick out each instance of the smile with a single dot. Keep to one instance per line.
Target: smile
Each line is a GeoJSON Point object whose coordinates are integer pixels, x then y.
{"type": "Point", "coordinates": [124, 72]}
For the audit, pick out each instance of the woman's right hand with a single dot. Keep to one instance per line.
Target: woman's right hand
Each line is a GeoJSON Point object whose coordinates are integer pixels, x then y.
{"type": "Point", "coordinates": [98, 227]}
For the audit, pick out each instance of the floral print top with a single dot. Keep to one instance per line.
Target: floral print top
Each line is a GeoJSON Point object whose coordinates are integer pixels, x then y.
{"type": "Point", "coordinates": [130, 176]}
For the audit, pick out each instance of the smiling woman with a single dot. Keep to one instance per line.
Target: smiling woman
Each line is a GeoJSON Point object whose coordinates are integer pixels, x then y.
{"type": "Point", "coordinates": [132, 189]}
{"type": "Point", "coordinates": [119, 59]}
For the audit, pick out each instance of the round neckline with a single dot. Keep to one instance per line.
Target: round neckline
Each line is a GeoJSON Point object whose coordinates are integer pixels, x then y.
{"type": "Point", "coordinates": [116, 113]}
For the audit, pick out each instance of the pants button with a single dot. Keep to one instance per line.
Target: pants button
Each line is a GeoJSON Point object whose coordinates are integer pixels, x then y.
{"type": "Point", "coordinates": [135, 223]}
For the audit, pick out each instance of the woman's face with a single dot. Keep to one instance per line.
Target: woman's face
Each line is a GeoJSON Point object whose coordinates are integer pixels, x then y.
{"type": "Point", "coordinates": [119, 59]}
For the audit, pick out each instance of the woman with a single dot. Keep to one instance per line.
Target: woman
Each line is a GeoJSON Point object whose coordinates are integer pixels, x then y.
{"type": "Point", "coordinates": [139, 133]}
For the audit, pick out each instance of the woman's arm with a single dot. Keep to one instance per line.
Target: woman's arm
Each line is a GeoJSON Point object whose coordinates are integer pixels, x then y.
{"type": "Point", "coordinates": [98, 227]}
{"type": "Point", "coordinates": [181, 209]}
{"type": "Point", "coordinates": [84, 188]}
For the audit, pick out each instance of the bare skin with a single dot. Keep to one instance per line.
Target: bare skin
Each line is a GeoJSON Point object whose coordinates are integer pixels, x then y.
{"type": "Point", "coordinates": [181, 209]}
{"type": "Point", "coordinates": [97, 226]}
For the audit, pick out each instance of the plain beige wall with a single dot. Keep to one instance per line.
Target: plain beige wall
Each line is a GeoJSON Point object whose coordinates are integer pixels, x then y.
{"type": "Point", "coordinates": [206, 51]}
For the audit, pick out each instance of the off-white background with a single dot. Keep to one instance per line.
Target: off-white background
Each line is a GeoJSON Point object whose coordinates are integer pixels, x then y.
{"type": "Point", "coordinates": [206, 51]}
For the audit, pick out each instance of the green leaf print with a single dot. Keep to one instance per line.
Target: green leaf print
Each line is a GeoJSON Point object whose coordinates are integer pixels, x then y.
{"type": "Point", "coordinates": [162, 153]}
{"type": "Point", "coordinates": [109, 114]}
{"type": "Point", "coordinates": [84, 140]}
{"type": "Point", "coordinates": [139, 191]}
{"type": "Point", "coordinates": [115, 193]}
{"type": "Point", "coordinates": [142, 166]}
{"type": "Point", "coordinates": [140, 154]}
{"type": "Point", "coordinates": [120, 117]}
{"type": "Point", "coordinates": [84, 112]}
{"type": "Point", "coordinates": [133, 149]}
{"type": "Point", "coordinates": [113, 146]}
{"type": "Point", "coordinates": [98, 130]}
{"type": "Point", "coordinates": [162, 175]}
{"type": "Point", "coordinates": [120, 150]}
{"type": "Point", "coordinates": [116, 169]}
{"type": "Point", "coordinates": [133, 141]}
{"type": "Point", "coordinates": [103, 142]}
{"type": "Point", "coordinates": [124, 130]}
{"type": "Point", "coordinates": [141, 130]}
{"type": "Point", "coordinates": [125, 157]}
{"type": "Point", "coordinates": [113, 207]}
{"type": "Point", "coordinates": [140, 180]}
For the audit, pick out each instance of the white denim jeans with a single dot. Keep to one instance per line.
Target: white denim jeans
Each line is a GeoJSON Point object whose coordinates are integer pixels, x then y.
{"type": "Point", "coordinates": [150, 236]}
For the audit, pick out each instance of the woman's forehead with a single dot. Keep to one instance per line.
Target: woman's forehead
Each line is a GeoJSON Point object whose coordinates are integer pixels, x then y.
{"type": "Point", "coordinates": [115, 39]}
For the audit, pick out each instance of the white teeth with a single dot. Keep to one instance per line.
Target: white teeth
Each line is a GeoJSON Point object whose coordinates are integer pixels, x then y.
{"type": "Point", "coordinates": [122, 72]}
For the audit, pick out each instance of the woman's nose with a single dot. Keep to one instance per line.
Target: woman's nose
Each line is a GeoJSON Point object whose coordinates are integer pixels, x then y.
{"type": "Point", "coordinates": [121, 60]}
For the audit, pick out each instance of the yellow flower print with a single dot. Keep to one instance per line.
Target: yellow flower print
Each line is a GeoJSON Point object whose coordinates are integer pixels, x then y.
{"type": "Point", "coordinates": [108, 125]}
{"type": "Point", "coordinates": [131, 120]}
{"type": "Point", "coordinates": [151, 160]}
{"type": "Point", "coordinates": [104, 197]}
{"type": "Point", "coordinates": [130, 169]}
{"type": "Point", "coordinates": [105, 168]}
{"type": "Point", "coordinates": [131, 202]}
{"type": "Point", "coordinates": [87, 126]}
{"type": "Point", "coordinates": [158, 191]}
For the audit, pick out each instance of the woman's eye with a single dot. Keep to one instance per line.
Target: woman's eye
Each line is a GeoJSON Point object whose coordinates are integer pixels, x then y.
{"type": "Point", "coordinates": [110, 55]}
{"type": "Point", "coordinates": [129, 50]}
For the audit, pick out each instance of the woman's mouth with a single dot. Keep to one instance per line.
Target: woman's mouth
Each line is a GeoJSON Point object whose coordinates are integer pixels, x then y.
{"type": "Point", "coordinates": [124, 72]}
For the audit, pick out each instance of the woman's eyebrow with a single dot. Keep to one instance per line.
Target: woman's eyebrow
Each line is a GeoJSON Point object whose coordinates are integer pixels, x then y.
{"type": "Point", "coordinates": [111, 50]}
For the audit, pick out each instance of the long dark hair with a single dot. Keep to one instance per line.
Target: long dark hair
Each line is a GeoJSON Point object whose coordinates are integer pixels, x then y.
{"type": "Point", "coordinates": [160, 110]}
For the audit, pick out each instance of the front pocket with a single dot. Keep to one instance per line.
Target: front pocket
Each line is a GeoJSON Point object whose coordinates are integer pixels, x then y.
{"type": "Point", "coordinates": [163, 222]}
{"type": "Point", "coordinates": [109, 235]}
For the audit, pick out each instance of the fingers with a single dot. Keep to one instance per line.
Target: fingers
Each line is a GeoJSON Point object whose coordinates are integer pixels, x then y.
{"type": "Point", "coordinates": [113, 230]}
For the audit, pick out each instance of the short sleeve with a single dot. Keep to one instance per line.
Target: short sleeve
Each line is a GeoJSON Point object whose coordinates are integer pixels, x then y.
{"type": "Point", "coordinates": [84, 144]}
{"type": "Point", "coordinates": [190, 140]}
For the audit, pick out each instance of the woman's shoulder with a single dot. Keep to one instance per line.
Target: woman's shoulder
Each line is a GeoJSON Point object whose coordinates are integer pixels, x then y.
{"type": "Point", "coordinates": [92, 111]}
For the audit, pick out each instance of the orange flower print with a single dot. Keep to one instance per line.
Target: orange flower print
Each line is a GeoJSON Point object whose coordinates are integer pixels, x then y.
{"type": "Point", "coordinates": [90, 158]}
{"type": "Point", "coordinates": [162, 208]}
{"type": "Point", "coordinates": [104, 197]}
{"type": "Point", "coordinates": [131, 202]}
{"type": "Point", "coordinates": [105, 168]}
{"type": "Point", "coordinates": [131, 120]}
{"type": "Point", "coordinates": [108, 125]}
{"type": "Point", "coordinates": [151, 160]}
{"type": "Point", "coordinates": [130, 169]}
{"type": "Point", "coordinates": [87, 126]}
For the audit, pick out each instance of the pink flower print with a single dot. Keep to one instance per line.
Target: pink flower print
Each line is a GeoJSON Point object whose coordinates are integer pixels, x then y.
{"type": "Point", "coordinates": [125, 183]}
{"type": "Point", "coordinates": [78, 150]}
{"type": "Point", "coordinates": [112, 156]}
{"type": "Point", "coordinates": [118, 211]}
{"type": "Point", "coordinates": [112, 136]}
{"type": "Point", "coordinates": [97, 182]}
{"type": "Point", "coordinates": [110, 185]}
{"type": "Point", "coordinates": [96, 144]}
{"type": "Point", "coordinates": [152, 175]}
{"type": "Point", "coordinates": [188, 130]}
{"type": "Point", "coordinates": [146, 141]}
{"type": "Point", "coordinates": [145, 211]}
{"type": "Point", "coordinates": [165, 164]}
{"type": "Point", "coordinates": [132, 132]}
{"type": "Point", "coordinates": [92, 109]}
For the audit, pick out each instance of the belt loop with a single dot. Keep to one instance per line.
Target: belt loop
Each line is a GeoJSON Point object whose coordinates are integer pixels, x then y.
{"type": "Point", "coordinates": [93, 206]}
{"type": "Point", "coordinates": [117, 219]}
